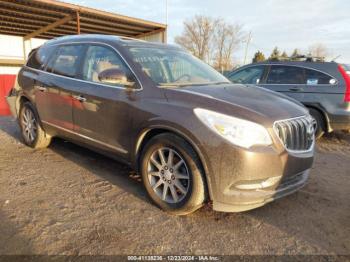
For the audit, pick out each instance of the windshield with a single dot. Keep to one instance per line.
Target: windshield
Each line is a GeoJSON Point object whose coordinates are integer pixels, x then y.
{"type": "Point", "coordinates": [167, 67]}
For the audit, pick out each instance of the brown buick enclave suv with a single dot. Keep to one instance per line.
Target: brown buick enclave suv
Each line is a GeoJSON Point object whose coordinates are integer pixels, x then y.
{"type": "Point", "coordinates": [192, 135]}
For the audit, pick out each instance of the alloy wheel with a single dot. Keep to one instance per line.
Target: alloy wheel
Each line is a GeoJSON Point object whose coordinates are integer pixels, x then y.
{"type": "Point", "coordinates": [168, 175]}
{"type": "Point", "coordinates": [29, 125]}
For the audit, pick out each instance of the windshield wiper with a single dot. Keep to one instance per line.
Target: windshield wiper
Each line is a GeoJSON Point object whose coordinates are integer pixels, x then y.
{"type": "Point", "coordinates": [220, 83]}
{"type": "Point", "coordinates": [172, 85]}
{"type": "Point", "coordinates": [192, 84]}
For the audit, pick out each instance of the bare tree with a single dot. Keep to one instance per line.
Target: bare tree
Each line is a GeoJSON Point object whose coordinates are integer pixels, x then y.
{"type": "Point", "coordinates": [197, 36]}
{"type": "Point", "coordinates": [212, 40]}
{"type": "Point", "coordinates": [226, 41]}
{"type": "Point", "coordinates": [319, 50]}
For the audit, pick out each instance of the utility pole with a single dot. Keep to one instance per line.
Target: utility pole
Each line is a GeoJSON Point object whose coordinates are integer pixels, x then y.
{"type": "Point", "coordinates": [166, 12]}
{"type": "Point", "coordinates": [247, 46]}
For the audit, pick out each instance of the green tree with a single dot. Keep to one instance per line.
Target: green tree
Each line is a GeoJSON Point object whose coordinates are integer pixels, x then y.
{"type": "Point", "coordinates": [284, 56]}
{"type": "Point", "coordinates": [295, 54]}
{"type": "Point", "coordinates": [275, 55]}
{"type": "Point", "coordinates": [258, 57]}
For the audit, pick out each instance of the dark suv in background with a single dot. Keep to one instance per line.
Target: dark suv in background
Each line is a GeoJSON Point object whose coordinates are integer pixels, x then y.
{"type": "Point", "coordinates": [323, 87]}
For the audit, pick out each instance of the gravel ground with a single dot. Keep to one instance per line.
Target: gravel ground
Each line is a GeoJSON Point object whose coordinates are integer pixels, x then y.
{"type": "Point", "coordinates": [69, 200]}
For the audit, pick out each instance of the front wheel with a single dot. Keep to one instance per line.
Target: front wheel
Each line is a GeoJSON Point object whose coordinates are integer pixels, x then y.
{"type": "Point", "coordinates": [172, 174]}
{"type": "Point", "coordinates": [32, 133]}
{"type": "Point", "coordinates": [319, 124]}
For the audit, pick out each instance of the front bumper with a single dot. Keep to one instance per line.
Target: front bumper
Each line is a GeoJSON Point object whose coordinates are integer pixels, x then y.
{"type": "Point", "coordinates": [240, 179]}
{"type": "Point", "coordinates": [250, 199]}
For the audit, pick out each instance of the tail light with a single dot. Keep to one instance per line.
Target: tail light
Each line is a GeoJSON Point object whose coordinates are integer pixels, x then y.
{"type": "Point", "coordinates": [346, 76]}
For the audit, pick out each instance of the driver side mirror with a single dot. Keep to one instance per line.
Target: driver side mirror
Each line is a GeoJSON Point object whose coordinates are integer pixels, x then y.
{"type": "Point", "coordinates": [114, 76]}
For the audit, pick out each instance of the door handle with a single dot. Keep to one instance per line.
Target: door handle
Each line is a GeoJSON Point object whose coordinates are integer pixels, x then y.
{"type": "Point", "coordinates": [79, 98]}
{"type": "Point", "coordinates": [41, 88]}
{"type": "Point", "coordinates": [296, 89]}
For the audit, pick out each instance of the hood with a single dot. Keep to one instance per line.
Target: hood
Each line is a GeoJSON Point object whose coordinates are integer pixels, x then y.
{"type": "Point", "coordinates": [243, 100]}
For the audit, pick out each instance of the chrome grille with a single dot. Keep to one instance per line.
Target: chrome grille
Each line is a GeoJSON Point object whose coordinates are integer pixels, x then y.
{"type": "Point", "coordinates": [296, 134]}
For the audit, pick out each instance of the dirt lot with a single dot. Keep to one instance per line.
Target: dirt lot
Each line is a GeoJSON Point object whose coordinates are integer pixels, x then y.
{"type": "Point", "coordinates": [69, 200]}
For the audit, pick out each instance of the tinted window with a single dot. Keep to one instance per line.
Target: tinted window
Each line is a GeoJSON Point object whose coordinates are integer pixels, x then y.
{"type": "Point", "coordinates": [66, 60]}
{"type": "Point", "coordinates": [99, 59]}
{"type": "Point", "coordinates": [285, 75]}
{"type": "Point", "coordinates": [39, 57]}
{"type": "Point", "coordinates": [316, 78]}
{"type": "Point", "coordinates": [251, 75]}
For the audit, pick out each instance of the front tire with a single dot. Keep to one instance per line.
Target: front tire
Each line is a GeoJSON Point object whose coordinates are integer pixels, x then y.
{"type": "Point", "coordinates": [320, 125]}
{"type": "Point", "coordinates": [172, 174]}
{"type": "Point", "coordinates": [31, 130]}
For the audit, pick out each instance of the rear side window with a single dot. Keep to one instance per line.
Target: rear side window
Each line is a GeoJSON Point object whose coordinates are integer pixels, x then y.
{"type": "Point", "coordinates": [39, 57]}
{"type": "Point", "coordinates": [285, 75]}
{"type": "Point", "coordinates": [66, 60]}
{"type": "Point", "coordinates": [317, 78]}
{"type": "Point", "coordinates": [251, 75]}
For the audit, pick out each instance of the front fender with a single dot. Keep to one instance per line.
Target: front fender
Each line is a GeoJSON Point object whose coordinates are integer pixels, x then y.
{"type": "Point", "coordinates": [167, 126]}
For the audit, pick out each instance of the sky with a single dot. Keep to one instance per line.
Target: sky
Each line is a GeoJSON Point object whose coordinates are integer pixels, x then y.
{"type": "Point", "coordinates": [287, 24]}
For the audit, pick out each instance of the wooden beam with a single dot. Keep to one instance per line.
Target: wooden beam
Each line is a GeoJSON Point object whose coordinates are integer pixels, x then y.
{"type": "Point", "coordinates": [78, 23]}
{"type": "Point", "coordinates": [11, 62]}
{"type": "Point", "coordinates": [32, 19]}
{"type": "Point", "coordinates": [119, 24]}
{"type": "Point", "coordinates": [48, 27]}
{"type": "Point", "coordinates": [114, 28]}
{"type": "Point", "coordinates": [19, 7]}
{"type": "Point", "coordinates": [14, 30]}
{"type": "Point", "coordinates": [151, 33]}
{"type": "Point", "coordinates": [98, 13]}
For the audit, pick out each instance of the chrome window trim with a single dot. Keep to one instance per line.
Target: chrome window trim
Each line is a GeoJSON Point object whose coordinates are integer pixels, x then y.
{"type": "Point", "coordinates": [91, 82]}
{"type": "Point", "coordinates": [289, 150]}
{"type": "Point", "coordinates": [121, 150]}
{"type": "Point", "coordinates": [305, 67]}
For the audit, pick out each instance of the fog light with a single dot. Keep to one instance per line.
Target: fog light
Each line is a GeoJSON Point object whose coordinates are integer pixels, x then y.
{"type": "Point", "coordinates": [257, 184]}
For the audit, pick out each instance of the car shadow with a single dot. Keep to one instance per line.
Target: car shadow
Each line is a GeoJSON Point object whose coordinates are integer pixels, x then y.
{"type": "Point", "coordinates": [9, 125]}
{"type": "Point", "coordinates": [102, 166]}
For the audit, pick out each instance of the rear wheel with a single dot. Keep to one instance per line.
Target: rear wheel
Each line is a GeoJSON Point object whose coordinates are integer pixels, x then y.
{"type": "Point", "coordinates": [320, 125]}
{"type": "Point", "coordinates": [172, 175]}
{"type": "Point", "coordinates": [32, 133]}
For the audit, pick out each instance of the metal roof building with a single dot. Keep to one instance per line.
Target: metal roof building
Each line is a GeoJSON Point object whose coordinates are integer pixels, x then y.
{"type": "Point", "coordinates": [47, 19]}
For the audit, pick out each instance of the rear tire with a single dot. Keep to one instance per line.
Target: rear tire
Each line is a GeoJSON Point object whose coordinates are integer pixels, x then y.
{"type": "Point", "coordinates": [31, 130]}
{"type": "Point", "coordinates": [320, 128]}
{"type": "Point", "coordinates": [169, 164]}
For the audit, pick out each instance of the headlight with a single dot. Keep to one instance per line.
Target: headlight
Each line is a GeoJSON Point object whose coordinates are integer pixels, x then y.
{"type": "Point", "coordinates": [238, 131]}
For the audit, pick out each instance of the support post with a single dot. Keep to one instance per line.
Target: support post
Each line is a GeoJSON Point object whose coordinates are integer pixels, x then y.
{"type": "Point", "coordinates": [78, 23]}
{"type": "Point", "coordinates": [24, 50]}
{"type": "Point", "coordinates": [48, 27]}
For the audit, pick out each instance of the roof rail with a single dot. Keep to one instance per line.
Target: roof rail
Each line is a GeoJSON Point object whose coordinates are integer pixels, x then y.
{"type": "Point", "coordinates": [310, 58]}
{"type": "Point", "coordinates": [307, 58]}
{"type": "Point", "coordinates": [130, 38]}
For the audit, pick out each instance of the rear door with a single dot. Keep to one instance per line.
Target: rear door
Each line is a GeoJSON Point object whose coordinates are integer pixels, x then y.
{"type": "Point", "coordinates": [58, 85]}
{"type": "Point", "coordinates": [318, 82]}
{"type": "Point", "coordinates": [30, 77]}
{"type": "Point", "coordinates": [289, 80]}
{"type": "Point", "coordinates": [101, 110]}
